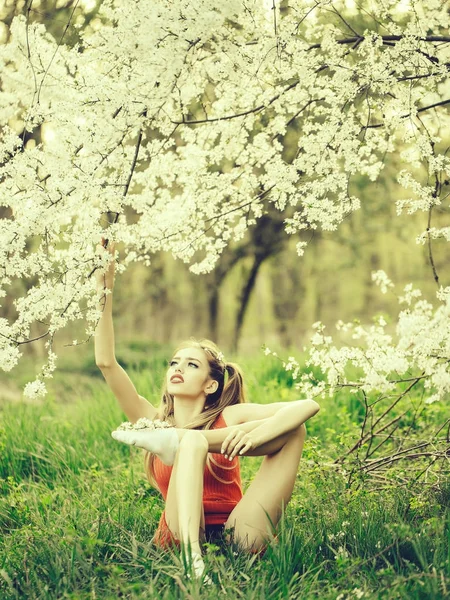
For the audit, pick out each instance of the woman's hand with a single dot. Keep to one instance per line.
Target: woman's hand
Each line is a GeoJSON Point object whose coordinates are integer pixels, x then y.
{"type": "Point", "coordinates": [105, 280]}
{"type": "Point", "coordinates": [238, 442]}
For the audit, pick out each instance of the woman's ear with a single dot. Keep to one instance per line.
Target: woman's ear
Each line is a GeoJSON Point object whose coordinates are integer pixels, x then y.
{"type": "Point", "coordinates": [212, 387]}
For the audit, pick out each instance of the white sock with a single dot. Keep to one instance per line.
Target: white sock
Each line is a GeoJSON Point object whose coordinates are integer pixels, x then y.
{"type": "Point", "coordinates": [198, 568]}
{"type": "Point", "coordinates": [163, 442]}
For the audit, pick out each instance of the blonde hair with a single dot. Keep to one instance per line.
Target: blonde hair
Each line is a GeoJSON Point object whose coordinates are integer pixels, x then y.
{"type": "Point", "coordinates": [229, 391]}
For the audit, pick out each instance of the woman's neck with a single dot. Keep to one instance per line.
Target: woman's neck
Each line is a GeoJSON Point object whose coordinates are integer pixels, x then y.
{"type": "Point", "coordinates": [186, 410]}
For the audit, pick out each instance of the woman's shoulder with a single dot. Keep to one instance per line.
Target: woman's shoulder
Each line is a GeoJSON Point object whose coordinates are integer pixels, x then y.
{"type": "Point", "coordinates": [231, 416]}
{"type": "Point", "coordinates": [252, 411]}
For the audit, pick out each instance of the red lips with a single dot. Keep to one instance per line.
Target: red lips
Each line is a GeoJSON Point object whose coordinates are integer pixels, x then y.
{"type": "Point", "coordinates": [177, 377]}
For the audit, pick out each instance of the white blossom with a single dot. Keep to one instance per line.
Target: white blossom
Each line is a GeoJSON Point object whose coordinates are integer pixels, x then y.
{"type": "Point", "coordinates": [175, 113]}
{"type": "Point", "coordinates": [420, 347]}
{"type": "Point", "coordinates": [382, 280]}
{"type": "Point", "coordinates": [144, 423]}
{"type": "Point", "coordinates": [35, 389]}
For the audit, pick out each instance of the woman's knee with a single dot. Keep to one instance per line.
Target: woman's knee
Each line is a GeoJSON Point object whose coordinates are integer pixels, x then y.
{"type": "Point", "coordinates": [194, 441]}
{"type": "Point", "coordinates": [248, 539]}
{"type": "Point", "coordinates": [299, 431]}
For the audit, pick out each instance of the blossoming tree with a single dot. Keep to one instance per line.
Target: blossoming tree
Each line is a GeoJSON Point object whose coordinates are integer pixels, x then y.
{"type": "Point", "coordinates": [166, 124]}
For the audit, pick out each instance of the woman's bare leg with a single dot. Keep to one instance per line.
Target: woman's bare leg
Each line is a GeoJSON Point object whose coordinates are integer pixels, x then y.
{"type": "Point", "coordinates": [165, 442]}
{"type": "Point", "coordinates": [264, 500]}
{"type": "Point", "coordinates": [184, 504]}
{"type": "Point", "coordinates": [269, 493]}
{"type": "Point", "coordinates": [184, 509]}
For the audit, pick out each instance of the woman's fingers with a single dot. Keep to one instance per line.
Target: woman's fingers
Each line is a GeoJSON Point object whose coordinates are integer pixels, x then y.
{"type": "Point", "coordinates": [241, 447]}
{"type": "Point", "coordinates": [230, 441]}
{"type": "Point", "coordinates": [227, 441]}
{"type": "Point", "coordinates": [236, 441]}
{"type": "Point", "coordinates": [106, 279]}
{"type": "Point", "coordinates": [105, 244]}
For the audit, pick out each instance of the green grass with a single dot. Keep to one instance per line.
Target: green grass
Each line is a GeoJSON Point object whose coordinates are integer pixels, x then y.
{"type": "Point", "coordinates": [77, 514]}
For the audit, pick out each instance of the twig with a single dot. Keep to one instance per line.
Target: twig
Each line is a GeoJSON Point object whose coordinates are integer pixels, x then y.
{"type": "Point", "coordinates": [56, 51]}
{"type": "Point", "coordinates": [430, 253]}
{"type": "Point", "coordinates": [387, 39]}
{"type": "Point", "coordinates": [358, 36]}
{"type": "Point", "coordinates": [441, 428]}
{"type": "Point", "coordinates": [129, 178]}
{"type": "Point", "coordinates": [28, 48]}
{"type": "Point", "coordinates": [377, 462]}
{"type": "Point", "coordinates": [39, 337]}
{"type": "Point", "coordinates": [427, 468]}
{"type": "Point", "coordinates": [420, 110]}
{"type": "Point", "coordinates": [374, 461]}
{"type": "Point", "coordinates": [368, 453]}
{"type": "Point", "coordinates": [241, 114]}
{"type": "Point", "coordinates": [408, 389]}
{"type": "Point", "coordinates": [135, 157]}
{"type": "Point", "coordinates": [396, 458]}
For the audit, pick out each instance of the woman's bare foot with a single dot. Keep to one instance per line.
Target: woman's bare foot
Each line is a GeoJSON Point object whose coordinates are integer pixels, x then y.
{"type": "Point", "coordinates": [162, 442]}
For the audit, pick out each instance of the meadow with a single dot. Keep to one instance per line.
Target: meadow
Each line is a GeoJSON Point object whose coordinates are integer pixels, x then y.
{"type": "Point", "coordinates": [77, 514]}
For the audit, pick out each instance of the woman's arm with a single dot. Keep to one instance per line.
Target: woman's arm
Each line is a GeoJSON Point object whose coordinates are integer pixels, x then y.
{"type": "Point", "coordinates": [247, 437]}
{"type": "Point", "coordinates": [133, 405]}
{"type": "Point", "coordinates": [285, 420]}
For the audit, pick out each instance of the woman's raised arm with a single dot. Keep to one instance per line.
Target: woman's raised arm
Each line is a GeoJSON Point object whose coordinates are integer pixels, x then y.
{"type": "Point", "coordinates": [132, 404]}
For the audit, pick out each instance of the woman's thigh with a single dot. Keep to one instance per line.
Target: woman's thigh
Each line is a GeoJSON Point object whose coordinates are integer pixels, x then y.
{"type": "Point", "coordinates": [255, 517]}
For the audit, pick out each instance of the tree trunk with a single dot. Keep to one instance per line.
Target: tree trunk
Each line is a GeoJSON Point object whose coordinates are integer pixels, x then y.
{"type": "Point", "coordinates": [245, 297]}
{"type": "Point", "coordinates": [213, 307]}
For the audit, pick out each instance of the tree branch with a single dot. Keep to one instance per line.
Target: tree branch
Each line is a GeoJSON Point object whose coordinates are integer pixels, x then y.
{"type": "Point", "coordinates": [430, 253]}
{"type": "Point", "coordinates": [395, 458]}
{"type": "Point", "coordinates": [56, 51]}
{"type": "Point", "coordinates": [241, 114]}
{"type": "Point", "coordinates": [387, 39]}
{"type": "Point", "coordinates": [129, 178]}
{"type": "Point", "coordinates": [346, 23]}
{"type": "Point", "coordinates": [135, 158]}
{"type": "Point", "coordinates": [39, 337]}
{"type": "Point", "coordinates": [408, 389]}
{"type": "Point", "coordinates": [420, 110]}
{"type": "Point", "coordinates": [371, 451]}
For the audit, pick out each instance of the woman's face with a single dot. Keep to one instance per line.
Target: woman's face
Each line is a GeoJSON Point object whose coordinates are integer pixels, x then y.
{"type": "Point", "coordinates": [188, 373]}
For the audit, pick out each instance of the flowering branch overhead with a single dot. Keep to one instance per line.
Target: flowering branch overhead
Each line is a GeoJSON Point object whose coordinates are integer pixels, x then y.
{"type": "Point", "coordinates": [173, 118]}
{"type": "Point", "coordinates": [387, 39]}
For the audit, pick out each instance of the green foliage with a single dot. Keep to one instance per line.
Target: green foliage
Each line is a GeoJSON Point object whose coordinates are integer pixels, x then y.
{"type": "Point", "coordinates": [77, 515]}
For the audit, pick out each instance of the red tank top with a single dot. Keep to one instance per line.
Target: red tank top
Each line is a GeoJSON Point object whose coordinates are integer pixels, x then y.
{"type": "Point", "coordinates": [222, 487]}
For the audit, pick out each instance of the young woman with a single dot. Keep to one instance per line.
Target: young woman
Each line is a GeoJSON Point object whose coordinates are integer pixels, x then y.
{"type": "Point", "coordinates": [195, 463]}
